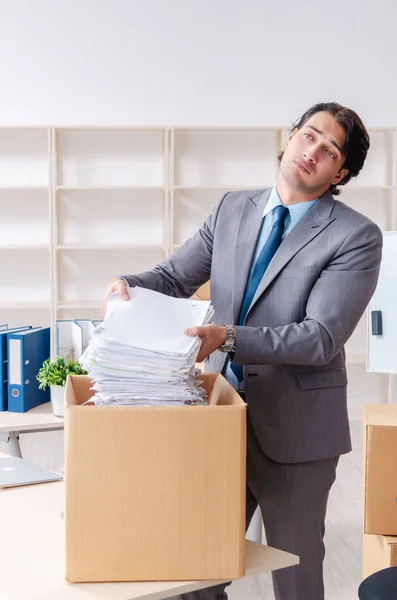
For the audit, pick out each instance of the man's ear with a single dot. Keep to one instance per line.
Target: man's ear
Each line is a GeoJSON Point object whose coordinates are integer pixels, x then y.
{"type": "Point", "coordinates": [342, 173]}
{"type": "Point", "coordinates": [291, 135]}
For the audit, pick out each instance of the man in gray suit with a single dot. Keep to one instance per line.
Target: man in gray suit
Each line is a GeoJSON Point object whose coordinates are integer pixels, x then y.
{"type": "Point", "coordinates": [292, 271]}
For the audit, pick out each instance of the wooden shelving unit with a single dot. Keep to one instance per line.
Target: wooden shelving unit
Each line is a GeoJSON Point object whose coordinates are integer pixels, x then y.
{"type": "Point", "coordinates": [80, 205]}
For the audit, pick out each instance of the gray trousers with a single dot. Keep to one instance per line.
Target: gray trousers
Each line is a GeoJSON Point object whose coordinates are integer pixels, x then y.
{"type": "Point", "coordinates": [293, 500]}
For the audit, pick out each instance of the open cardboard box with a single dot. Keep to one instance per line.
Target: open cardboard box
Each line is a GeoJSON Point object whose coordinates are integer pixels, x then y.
{"type": "Point", "coordinates": [155, 493]}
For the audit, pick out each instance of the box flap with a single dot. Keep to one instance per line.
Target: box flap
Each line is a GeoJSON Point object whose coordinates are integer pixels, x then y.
{"type": "Point", "coordinates": [391, 540]}
{"type": "Point", "coordinates": [222, 393]}
{"type": "Point", "coordinates": [78, 390]}
{"type": "Point", "coordinates": [380, 414]}
{"type": "Point", "coordinates": [377, 420]}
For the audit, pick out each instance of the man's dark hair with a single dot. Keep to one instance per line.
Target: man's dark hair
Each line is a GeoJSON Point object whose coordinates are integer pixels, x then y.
{"type": "Point", "coordinates": [356, 144]}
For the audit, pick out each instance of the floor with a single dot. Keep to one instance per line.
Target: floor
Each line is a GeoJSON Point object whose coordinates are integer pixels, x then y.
{"type": "Point", "coordinates": [342, 570]}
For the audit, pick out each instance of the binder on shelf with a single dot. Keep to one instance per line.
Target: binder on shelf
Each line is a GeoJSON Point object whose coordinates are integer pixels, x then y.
{"type": "Point", "coordinates": [3, 327]}
{"type": "Point", "coordinates": [88, 328]}
{"type": "Point", "coordinates": [4, 363]}
{"type": "Point", "coordinates": [69, 338]}
{"type": "Point", "coordinates": [27, 350]}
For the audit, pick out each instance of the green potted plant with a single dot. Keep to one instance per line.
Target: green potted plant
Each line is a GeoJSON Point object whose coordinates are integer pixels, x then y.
{"type": "Point", "coordinates": [53, 373]}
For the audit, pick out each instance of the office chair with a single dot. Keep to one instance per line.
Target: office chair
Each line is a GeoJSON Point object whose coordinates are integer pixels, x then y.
{"type": "Point", "coordinates": [381, 585]}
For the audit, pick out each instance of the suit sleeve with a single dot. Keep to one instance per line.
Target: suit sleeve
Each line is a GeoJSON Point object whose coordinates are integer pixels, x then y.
{"type": "Point", "coordinates": [189, 267]}
{"type": "Point", "coordinates": [335, 305]}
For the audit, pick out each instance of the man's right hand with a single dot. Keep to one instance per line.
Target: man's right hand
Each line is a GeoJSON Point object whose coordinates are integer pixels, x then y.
{"type": "Point", "coordinates": [115, 285]}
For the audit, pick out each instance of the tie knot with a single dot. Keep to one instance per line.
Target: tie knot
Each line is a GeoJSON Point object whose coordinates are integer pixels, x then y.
{"type": "Point", "coordinates": [281, 212]}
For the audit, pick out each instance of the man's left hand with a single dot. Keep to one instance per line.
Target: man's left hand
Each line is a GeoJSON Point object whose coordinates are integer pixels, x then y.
{"type": "Point", "coordinates": [212, 336]}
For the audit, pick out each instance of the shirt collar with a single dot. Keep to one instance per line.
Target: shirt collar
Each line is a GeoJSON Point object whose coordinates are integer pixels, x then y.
{"type": "Point", "coordinates": [296, 211]}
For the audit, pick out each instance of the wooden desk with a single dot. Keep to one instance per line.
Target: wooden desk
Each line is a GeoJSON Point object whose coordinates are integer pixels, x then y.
{"type": "Point", "coordinates": [38, 419]}
{"type": "Point", "coordinates": [32, 554]}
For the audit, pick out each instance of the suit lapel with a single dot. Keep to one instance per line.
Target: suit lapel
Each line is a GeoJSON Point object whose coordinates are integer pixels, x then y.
{"type": "Point", "coordinates": [247, 234]}
{"type": "Point", "coordinates": [310, 226]}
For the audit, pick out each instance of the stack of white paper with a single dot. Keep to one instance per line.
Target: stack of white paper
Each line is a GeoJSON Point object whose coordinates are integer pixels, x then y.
{"type": "Point", "coordinates": [140, 354]}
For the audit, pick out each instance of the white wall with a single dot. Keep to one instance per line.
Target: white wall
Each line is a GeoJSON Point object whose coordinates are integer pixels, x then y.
{"type": "Point", "coordinates": [174, 62]}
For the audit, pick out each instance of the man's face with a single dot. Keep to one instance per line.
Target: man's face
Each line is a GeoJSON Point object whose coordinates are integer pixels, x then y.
{"type": "Point", "coordinates": [313, 156]}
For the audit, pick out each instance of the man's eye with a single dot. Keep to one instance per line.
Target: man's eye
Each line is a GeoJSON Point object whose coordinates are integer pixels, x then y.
{"type": "Point", "coordinates": [308, 136]}
{"type": "Point", "coordinates": [330, 153]}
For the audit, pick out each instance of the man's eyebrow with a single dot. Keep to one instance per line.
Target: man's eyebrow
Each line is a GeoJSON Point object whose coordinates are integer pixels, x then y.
{"type": "Point", "coordinates": [321, 133]}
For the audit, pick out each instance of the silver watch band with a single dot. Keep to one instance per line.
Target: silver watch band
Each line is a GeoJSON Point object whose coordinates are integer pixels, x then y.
{"type": "Point", "coordinates": [229, 343]}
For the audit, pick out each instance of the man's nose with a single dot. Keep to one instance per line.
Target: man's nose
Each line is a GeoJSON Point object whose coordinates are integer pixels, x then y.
{"type": "Point", "coordinates": [310, 154]}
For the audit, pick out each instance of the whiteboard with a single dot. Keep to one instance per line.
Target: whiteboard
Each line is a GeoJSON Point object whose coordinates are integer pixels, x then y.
{"type": "Point", "coordinates": [382, 349]}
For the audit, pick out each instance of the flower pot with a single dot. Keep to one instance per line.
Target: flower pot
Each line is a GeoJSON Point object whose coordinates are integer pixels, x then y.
{"type": "Point", "coordinates": [58, 400]}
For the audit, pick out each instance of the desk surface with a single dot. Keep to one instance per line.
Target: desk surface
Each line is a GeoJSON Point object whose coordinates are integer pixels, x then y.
{"type": "Point", "coordinates": [32, 554]}
{"type": "Point", "coordinates": [40, 417]}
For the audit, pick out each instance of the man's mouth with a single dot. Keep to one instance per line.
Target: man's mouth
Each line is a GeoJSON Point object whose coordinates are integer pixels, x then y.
{"type": "Point", "coordinates": [302, 166]}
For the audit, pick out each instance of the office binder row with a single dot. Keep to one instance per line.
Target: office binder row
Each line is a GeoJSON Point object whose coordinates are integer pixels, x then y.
{"type": "Point", "coordinates": [73, 336]}
{"type": "Point", "coordinates": [22, 352]}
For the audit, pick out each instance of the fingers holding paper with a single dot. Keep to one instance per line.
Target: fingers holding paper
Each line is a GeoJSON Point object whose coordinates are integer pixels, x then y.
{"type": "Point", "coordinates": [115, 285]}
{"type": "Point", "coordinates": [212, 337]}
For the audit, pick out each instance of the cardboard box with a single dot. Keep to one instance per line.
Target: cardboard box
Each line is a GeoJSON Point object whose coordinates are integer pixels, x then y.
{"type": "Point", "coordinates": [203, 293]}
{"type": "Point", "coordinates": [155, 493]}
{"type": "Point", "coordinates": [379, 552]}
{"type": "Point", "coordinates": [380, 469]}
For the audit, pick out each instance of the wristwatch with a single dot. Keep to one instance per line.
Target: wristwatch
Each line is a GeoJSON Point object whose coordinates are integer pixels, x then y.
{"type": "Point", "coordinates": [229, 343]}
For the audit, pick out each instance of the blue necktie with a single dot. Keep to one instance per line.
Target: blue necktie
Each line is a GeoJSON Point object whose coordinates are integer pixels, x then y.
{"type": "Point", "coordinates": [263, 260]}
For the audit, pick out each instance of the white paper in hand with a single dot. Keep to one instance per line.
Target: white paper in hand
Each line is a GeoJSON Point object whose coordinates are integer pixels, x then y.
{"type": "Point", "coordinates": [140, 354]}
{"type": "Point", "coordinates": [152, 321]}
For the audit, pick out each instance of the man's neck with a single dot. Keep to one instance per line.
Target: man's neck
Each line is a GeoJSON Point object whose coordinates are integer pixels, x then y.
{"type": "Point", "coordinates": [289, 196]}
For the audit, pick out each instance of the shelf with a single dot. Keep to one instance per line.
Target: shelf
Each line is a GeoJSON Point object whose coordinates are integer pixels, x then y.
{"type": "Point", "coordinates": [222, 155]}
{"type": "Point", "coordinates": [24, 158]}
{"type": "Point", "coordinates": [85, 275]}
{"type": "Point", "coordinates": [24, 247]}
{"type": "Point", "coordinates": [226, 188]}
{"type": "Point", "coordinates": [28, 188]}
{"type": "Point", "coordinates": [62, 305]}
{"type": "Point", "coordinates": [24, 305]}
{"type": "Point", "coordinates": [259, 128]}
{"type": "Point", "coordinates": [113, 247]}
{"type": "Point", "coordinates": [214, 128]}
{"type": "Point", "coordinates": [107, 158]}
{"type": "Point", "coordinates": [109, 127]}
{"type": "Point", "coordinates": [127, 217]}
{"type": "Point", "coordinates": [350, 187]}
{"type": "Point", "coordinates": [85, 188]}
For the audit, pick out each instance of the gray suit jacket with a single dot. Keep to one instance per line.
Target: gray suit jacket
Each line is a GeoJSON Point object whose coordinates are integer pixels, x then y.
{"type": "Point", "coordinates": [307, 305]}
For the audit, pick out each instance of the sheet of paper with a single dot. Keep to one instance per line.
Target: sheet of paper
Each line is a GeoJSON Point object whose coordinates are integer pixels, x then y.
{"type": "Point", "coordinates": [139, 354]}
{"type": "Point", "coordinates": [153, 321]}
